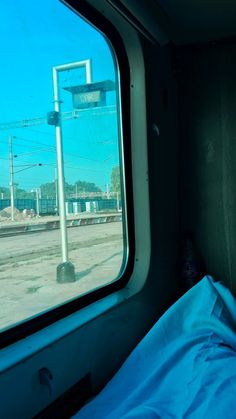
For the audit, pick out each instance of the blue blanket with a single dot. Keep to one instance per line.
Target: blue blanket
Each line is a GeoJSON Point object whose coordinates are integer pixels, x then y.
{"type": "Point", "coordinates": [185, 367]}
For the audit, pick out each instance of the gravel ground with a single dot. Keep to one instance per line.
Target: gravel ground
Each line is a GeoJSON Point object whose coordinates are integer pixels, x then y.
{"type": "Point", "coordinates": [28, 268]}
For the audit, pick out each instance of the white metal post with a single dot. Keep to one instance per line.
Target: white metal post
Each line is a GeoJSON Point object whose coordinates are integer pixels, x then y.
{"type": "Point", "coordinates": [60, 169]}
{"type": "Point", "coordinates": [66, 265]}
{"type": "Point", "coordinates": [11, 183]}
{"type": "Point", "coordinates": [107, 190]}
{"type": "Point", "coordinates": [37, 200]}
{"type": "Point", "coordinates": [117, 201]}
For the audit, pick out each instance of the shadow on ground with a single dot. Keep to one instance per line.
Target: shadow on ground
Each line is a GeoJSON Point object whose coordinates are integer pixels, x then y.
{"type": "Point", "coordinates": [82, 274]}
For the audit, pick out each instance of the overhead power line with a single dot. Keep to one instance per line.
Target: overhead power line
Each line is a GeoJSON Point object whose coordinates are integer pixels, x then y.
{"type": "Point", "coordinates": [68, 115]}
{"type": "Point", "coordinates": [50, 149]}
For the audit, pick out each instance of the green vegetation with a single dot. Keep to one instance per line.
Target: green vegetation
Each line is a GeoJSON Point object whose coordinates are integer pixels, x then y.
{"type": "Point", "coordinates": [115, 179]}
{"type": "Point", "coordinates": [86, 186]}
{"type": "Point", "coordinates": [48, 190]}
{"type": "Point", "coordinates": [4, 192]}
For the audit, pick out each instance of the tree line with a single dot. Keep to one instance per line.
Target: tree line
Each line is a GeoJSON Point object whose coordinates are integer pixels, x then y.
{"type": "Point", "coordinates": [49, 189]}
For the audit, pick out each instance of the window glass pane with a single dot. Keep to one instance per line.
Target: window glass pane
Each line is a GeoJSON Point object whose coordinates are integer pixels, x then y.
{"type": "Point", "coordinates": [61, 207]}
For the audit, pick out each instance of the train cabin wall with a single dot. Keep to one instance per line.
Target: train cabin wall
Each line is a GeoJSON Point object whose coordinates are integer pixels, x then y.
{"type": "Point", "coordinates": [207, 102]}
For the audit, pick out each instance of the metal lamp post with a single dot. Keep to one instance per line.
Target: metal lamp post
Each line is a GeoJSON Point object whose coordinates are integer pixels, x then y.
{"type": "Point", "coordinates": [87, 95]}
{"type": "Point", "coordinates": [65, 270]}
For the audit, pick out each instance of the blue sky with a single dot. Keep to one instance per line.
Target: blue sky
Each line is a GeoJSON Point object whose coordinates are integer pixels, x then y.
{"type": "Point", "coordinates": [35, 36]}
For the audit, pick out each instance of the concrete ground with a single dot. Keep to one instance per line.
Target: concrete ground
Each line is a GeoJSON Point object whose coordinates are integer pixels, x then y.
{"type": "Point", "coordinates": [19, 219]}
{"type": "Point", "coordinates": [28, 263]}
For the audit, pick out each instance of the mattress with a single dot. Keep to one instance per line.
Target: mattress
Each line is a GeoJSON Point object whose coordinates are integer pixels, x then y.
{"type": "Point", "coordinates": [185, 367]}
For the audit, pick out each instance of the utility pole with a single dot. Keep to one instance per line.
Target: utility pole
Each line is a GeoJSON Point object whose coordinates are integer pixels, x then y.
{"type": "Point", "coordinates": [11, 183]}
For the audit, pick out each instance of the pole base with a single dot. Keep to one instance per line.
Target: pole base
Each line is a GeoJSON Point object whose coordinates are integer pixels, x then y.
{"type": "Point", "coordinates": [65, 272]}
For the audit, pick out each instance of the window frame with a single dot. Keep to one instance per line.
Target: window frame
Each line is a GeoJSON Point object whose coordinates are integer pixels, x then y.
{"type": "Point", "coordinates": [42, 320]}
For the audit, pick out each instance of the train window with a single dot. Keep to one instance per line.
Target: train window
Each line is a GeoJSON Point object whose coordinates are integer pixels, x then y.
{"type": "Point", "coordinates": [62, 206]}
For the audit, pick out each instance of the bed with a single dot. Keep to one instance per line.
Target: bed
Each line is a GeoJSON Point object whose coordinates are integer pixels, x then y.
{"type": "Point", "coordinates": [185, 367]}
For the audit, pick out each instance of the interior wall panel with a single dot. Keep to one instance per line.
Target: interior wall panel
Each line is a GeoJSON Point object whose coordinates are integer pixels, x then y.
{"type": "Point", "coordinates": [207, 92]}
